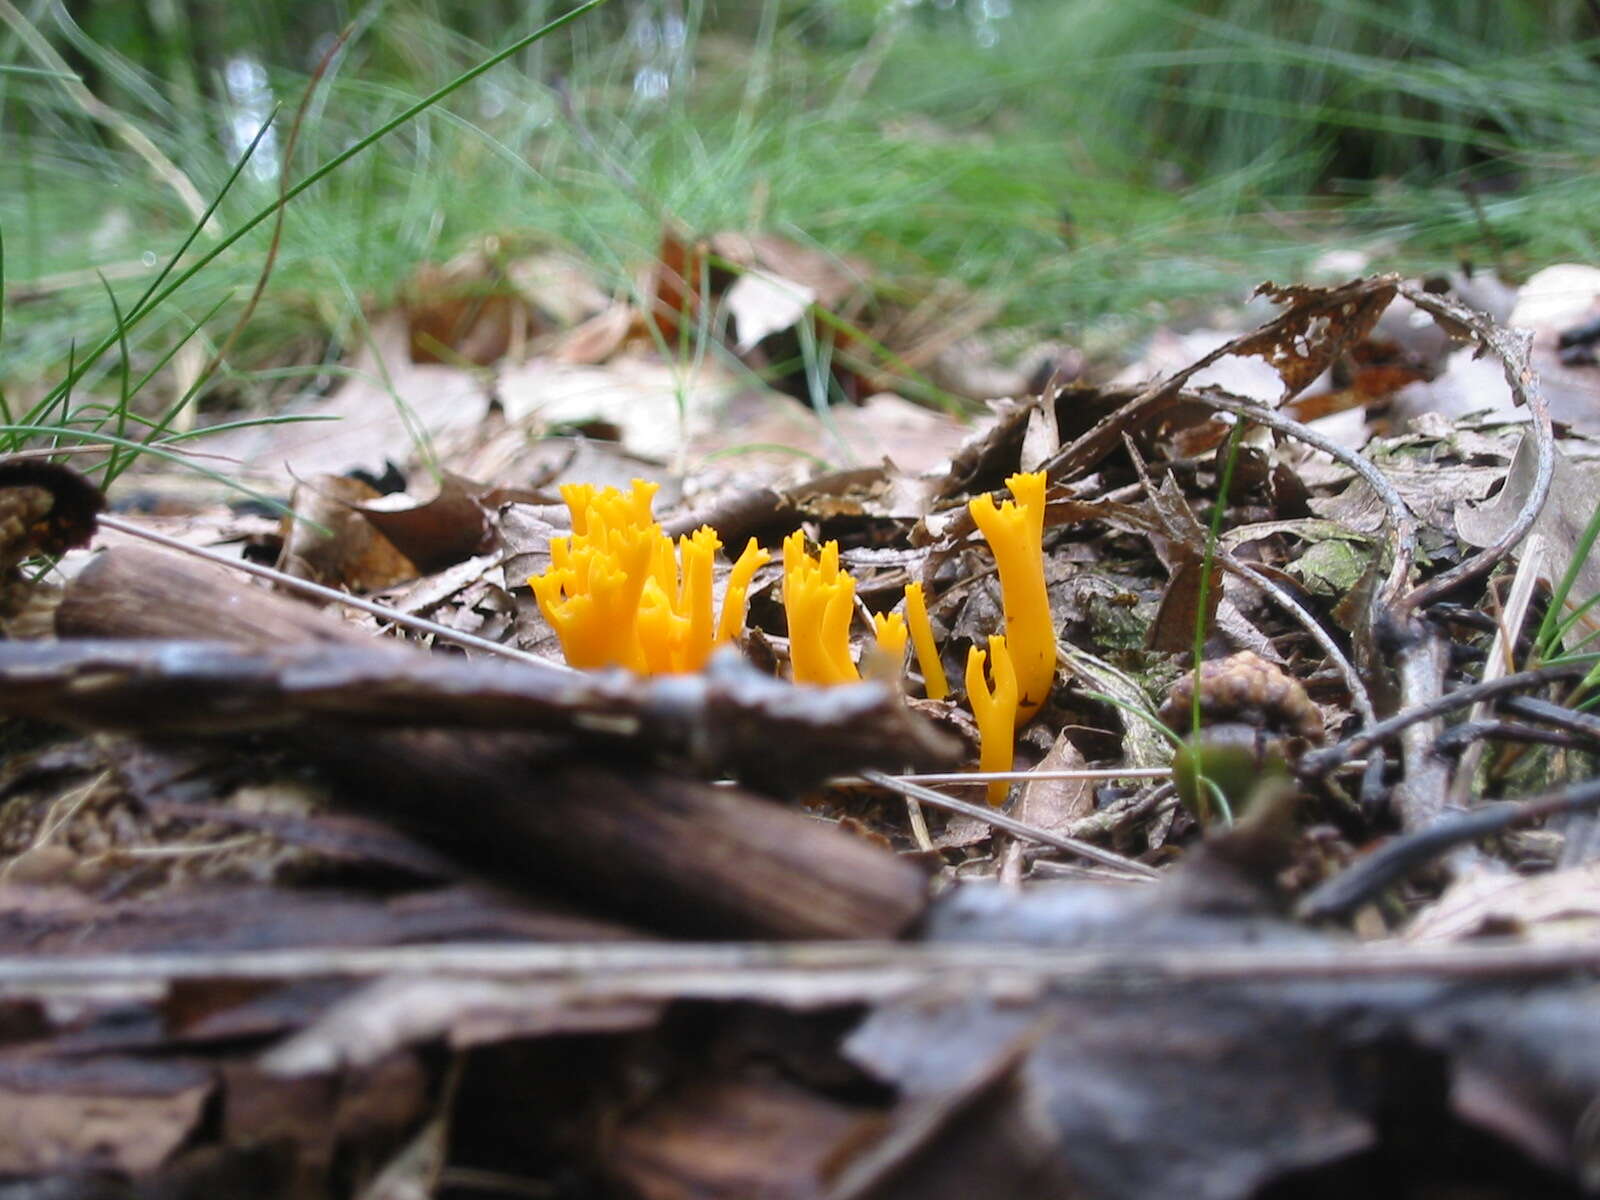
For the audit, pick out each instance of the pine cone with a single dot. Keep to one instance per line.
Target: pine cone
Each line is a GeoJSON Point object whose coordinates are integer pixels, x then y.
{"type": "Point", "coordinates": [1246, 688]}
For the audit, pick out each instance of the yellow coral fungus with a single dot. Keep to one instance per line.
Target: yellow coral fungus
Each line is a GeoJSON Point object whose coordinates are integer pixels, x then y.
{"type": "Point", "coordinates": [819, 600]}
{"type": "Point", "coordinates": [616, 594]}
{"type": "Point", "coordinates": [935, 685]}
{"type": "Point", "coordinates": [735, 599]}
{"type": "Point", "coordinates": [890, 631]}
{"type": "Point", "coordinates": [995, 711]}
{"type": "Point", "coordinates": [1015, 532]}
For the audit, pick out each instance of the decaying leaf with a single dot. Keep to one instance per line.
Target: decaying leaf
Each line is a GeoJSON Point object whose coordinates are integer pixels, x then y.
{"type": "Point", "coordinates": [1053, 804]}
{"type": "Point", "coordinates": [64, 1117]}
{"type": "Point", "coordinates": [328, 540]}
{"type": "Point", "coordinates": [1573, 501]}
{"type": "Point", "coordinates": [466, 311]}
{"type": "Point", "coordinates": [437, 533]}
{"type": "Point", "coordinates": [1562, 905]}
{"type": "Point", "coordinates": [762, 305]}
{"type": "Point", "coordinates": [736, 1137]}
{"type": "Point", "coordinates": [376, 1021]}
{"type": "Point", "coordinates": [1317, 325]}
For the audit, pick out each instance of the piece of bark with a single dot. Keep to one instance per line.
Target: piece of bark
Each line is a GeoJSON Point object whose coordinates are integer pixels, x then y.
{"type": "Point", "coordinates": [45, 922]}
{"type": "Point", "coordinates": [533, 808]}
{"type": "Point", "coordinates": [668, 853]}
{"type": "Point", "coordinates": [132, 592]}
{"type": "Point", "coordinates": [729, 718]}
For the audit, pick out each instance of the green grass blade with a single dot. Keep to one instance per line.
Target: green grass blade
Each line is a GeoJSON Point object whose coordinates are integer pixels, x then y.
{"type": "Point", "coordinates": [95, 437]}
{"type": "Point", "coordinates": [205, 218]}
{"type": "Point", "coordinates": [327, 168]}
{"type": "Point", "coordinates": [1209, 561]}
{"type": "Point", "coordinates": [178, 344]}
{"type": "Point", "coordinates": [5, 405]}
{"type": "Point", "coordinates": [1553, 626]}
{"type": "Point", "coordinates": [124, 397]}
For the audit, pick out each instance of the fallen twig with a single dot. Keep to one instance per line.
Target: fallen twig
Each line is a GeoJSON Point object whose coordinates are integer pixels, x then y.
{"type": "Point", "coordinates": [827, 973]}
{"type": "Point", "coordinates": [1317, 763]}
{"type": "Point", "coordinates": [1346, 892]}
{"type": "Point", "coordinates": [729, 717]}
{"type": "Point", "coordinates": [1011, 825]}
{"type": "Point", "coordinates": [330, 595]}
{"type": "Point", "coordinates": [1512, 348]}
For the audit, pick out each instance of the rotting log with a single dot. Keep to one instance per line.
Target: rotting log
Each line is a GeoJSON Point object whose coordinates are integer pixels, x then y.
{"type": "Point", "coordinates": [536, 809]}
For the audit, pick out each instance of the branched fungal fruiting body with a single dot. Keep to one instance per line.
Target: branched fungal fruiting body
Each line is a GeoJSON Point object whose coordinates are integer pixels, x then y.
{"type": "Point", "coordinates": [890, 631]}
{"type": "Point", "coordinates": [1015, 533]}
{"type": "Point", "coordinates": [616, 594]}
{"type": "Point", "coordinates": [995, 711]}
{"type": "Point", "coordinates": [818, 600]}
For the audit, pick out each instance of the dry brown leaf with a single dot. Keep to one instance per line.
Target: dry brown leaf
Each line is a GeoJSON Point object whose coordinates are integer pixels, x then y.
{"type": "Point", "coordinates": [64, 1116]}
{"type": "Point", "coordinates": [330, 541]}
{"type": "Point", "coordinates": [1053, 804]}
{"type": "Point", "coordinates": [598, 338]}
{"type": "Point", "coordinates": [735, 1137]}
{"type": "Point", "coordinates": [436, 533]}
{"type": "Point", "coordinates": [1574, 498]}
{"type": "Point", "coordinates": [386, 1016]}
{"type": "Point", "coordinates": [465, 311]}
{"type": "Point", "coordinates": [1318, 324]}
{"type": "Point", "coordinates": [1560, 905]}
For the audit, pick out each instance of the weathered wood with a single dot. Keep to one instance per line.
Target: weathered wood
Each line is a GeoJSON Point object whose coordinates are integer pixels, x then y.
{"type": "Point", "coordinates": [730, 718]}
{"type": "Point", "coordinates": [661, 851]}
{"type": "Point", "coordinates": [131, 592]}
{"type": "Point", "coordinates": [535, 809]}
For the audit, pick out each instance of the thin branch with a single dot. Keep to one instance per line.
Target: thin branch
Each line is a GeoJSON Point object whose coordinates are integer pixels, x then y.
{"type": "Point", "coordinates": [1088, 773]}
{"type": "Point", "coordinates": [1320, 762]}
{"type": "Point", "coordinates": [797, 972]}
{"type": "Point", "coordinates": [1346, 892]}
{"type": "Point", "coordinates": [1010, 824]}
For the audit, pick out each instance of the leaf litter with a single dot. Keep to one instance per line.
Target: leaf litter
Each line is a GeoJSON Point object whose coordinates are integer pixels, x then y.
{"type": "Point", "coordinates": [318, 901]}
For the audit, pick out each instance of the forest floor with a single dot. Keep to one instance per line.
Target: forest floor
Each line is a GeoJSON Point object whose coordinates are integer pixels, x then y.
{"type": "Point", "coordinates": [384, 898]}
{"type": "Point", "coordinates": [490, 760]}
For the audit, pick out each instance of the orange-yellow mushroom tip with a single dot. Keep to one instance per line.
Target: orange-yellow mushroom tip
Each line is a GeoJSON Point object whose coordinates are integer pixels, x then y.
{"type": "Point", "coordinates": [818, 600]}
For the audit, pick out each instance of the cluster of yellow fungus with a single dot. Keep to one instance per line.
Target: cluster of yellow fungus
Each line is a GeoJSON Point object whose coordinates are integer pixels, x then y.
{"type": "Point", "coordinates": [819, 598]}
{"type": "Point", "coordinates": [618, 594]}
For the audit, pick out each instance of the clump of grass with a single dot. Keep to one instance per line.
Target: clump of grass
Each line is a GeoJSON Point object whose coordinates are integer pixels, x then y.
{"type": "Point", "coordinates": [1081, 161]}
{"type": "Point", "coordinates": [57, 415]}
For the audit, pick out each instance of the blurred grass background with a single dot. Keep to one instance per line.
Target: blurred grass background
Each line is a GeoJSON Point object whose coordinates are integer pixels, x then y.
{"type": "Point", "coordinates": [1088, 164]}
